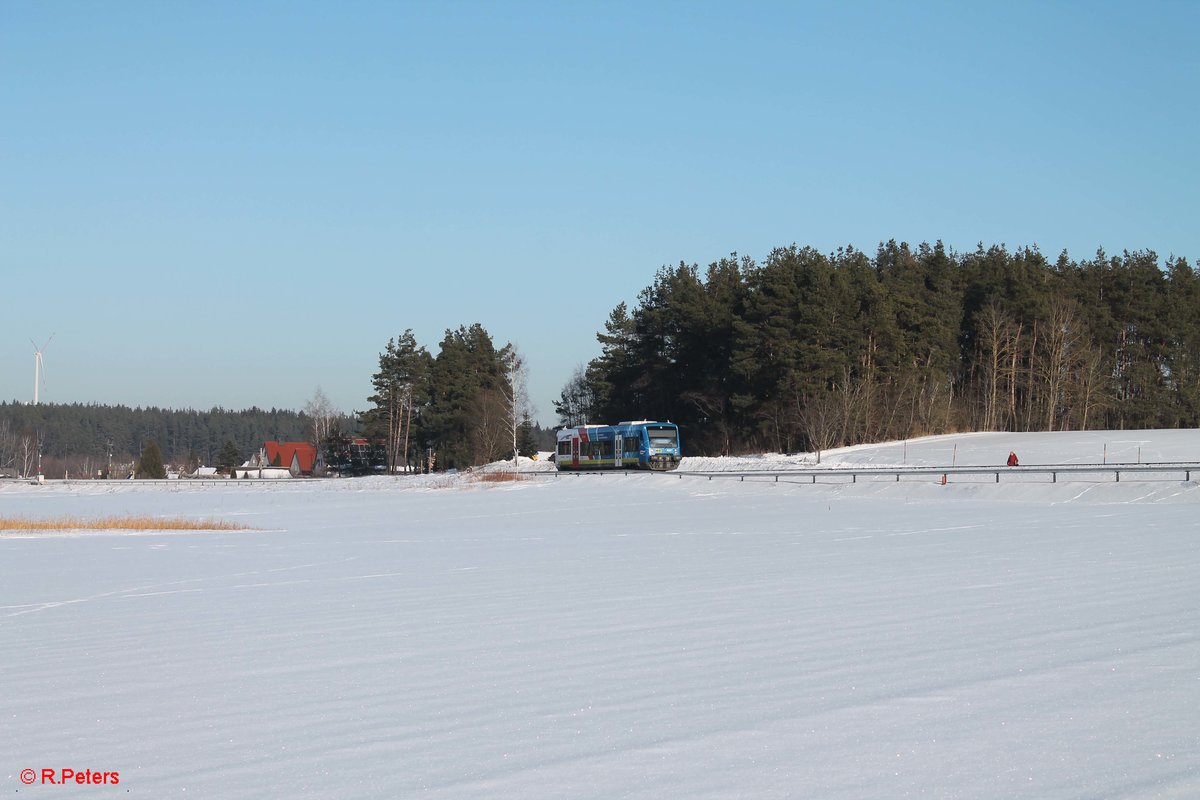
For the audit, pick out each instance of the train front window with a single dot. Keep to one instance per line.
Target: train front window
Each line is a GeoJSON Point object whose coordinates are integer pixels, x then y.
{"type": "Point", "coordinates": [662, 437]}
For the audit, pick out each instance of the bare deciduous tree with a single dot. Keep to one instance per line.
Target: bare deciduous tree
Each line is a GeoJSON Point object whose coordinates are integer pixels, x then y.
{"type": "Point", "coordinates": [1061, 354]}
{"type": "Point", "coordinates": [321, 415]}
{"type": "Point", "coordinates": [998, 337]}
{"type": "Point", "coordinates": [321, 418]}
{"type": "Point", "coordinates": [27, 448]}
{"type": "Point", "coordinates": [821, 418]}
{"type": "Point", "coordinates": [1090, 379]}
{"type": "Point", "coordinates": [516, 394]}
{"type": "Point", "coordinates": [490, 426]}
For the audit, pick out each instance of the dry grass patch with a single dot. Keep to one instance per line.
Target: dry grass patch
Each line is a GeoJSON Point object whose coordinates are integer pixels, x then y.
{"type": "Point", "coordinates": [500, 477]}
{"type": "Point", "coordinates": [118, 523]}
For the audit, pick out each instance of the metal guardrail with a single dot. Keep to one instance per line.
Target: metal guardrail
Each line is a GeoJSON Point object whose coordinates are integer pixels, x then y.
{"type": "Point", "coordinates": [1163, 471]}
{"type": "Point", "coordinates": [1067, 472]}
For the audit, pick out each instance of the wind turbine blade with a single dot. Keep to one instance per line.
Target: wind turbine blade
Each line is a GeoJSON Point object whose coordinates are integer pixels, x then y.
{"type": "Point", "coordinates": [48, 341]}
{"type": "Point", "coordinates": [35, 347]}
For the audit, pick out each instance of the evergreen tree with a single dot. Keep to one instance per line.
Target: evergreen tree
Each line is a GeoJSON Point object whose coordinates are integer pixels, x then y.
{"type": "Point", "coordinates": [577, 403]}
{"type": "Point", "coordinates": [229, 457]}
{"type": "Point", "coordinates": [527, 444]}
{"type": "Point", "coordinates": [466, 421]}
{"type": "Point", "coordinates": [401, 393]}
{"type": "Point", "coordinates": [336, 450]}
{"type": "Point", "coordinates": [1182, 362]}
{"type": "Point", "coordinates": [150, 465]}
{"type": "Point", "coordinates": [613, 375]}
{"type": "Point", "coordinates": [786, 347]}
{"type": "Point", "coordinates": [706, 313]}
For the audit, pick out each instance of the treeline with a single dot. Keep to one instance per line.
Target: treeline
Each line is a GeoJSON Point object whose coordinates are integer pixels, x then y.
{"type": "Point", "coordinates": [466, 405]}
{"type": "Point", "coordinates": [79, 438]}
{"type": "Point", "coordinates": [809, 351]}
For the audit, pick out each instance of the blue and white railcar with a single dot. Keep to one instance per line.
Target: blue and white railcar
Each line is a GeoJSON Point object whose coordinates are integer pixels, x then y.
{"type": "Point", "coordinates": [643, 444]}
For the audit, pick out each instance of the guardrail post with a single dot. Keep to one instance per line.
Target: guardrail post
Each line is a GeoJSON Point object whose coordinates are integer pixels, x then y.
{"type": "Point", "coordinates": [854, 477]}
{"type": "Point", "coordinates": [1054, 477]}
{"type": "Point", "coordinates": [814, 477]}
{"type": "Point", "coordinates": [997, 476]}
{"type": "Point", "coordinates": [1117, 472]}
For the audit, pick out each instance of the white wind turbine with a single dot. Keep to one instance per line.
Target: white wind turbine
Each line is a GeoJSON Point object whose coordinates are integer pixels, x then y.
{"type": "Point", "coordinates": [39, 369]}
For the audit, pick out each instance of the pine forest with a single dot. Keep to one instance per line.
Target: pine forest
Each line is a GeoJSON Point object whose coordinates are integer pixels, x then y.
{"type": "Point", "coordinates": [809, 351]}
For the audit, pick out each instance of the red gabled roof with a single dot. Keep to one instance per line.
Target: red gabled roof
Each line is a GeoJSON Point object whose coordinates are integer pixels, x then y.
{"type": "Point", "coordinates": [306, 454]}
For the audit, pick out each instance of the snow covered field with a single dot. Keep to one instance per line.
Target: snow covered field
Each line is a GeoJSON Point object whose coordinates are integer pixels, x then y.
{"type": "Point", "coordinates": [607, 636]}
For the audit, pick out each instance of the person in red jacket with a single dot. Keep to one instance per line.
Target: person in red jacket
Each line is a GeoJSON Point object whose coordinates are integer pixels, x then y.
{"type": "Point", "coordinates": [1012, 458]}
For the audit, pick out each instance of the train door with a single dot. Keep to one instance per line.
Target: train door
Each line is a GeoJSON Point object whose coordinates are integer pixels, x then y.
{"type": "Point", "coordinates": [574, 454]}
{"type": "Point", "coordinates": [618, 450]}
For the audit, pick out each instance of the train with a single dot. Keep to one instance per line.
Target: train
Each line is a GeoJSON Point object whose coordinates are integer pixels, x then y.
{"type": "Point", "coordinates": [640, 444]}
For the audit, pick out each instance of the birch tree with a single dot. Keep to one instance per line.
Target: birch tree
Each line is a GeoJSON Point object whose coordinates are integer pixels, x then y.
{"type": "Point", "coordinates": [516, 395]}
{"type": "Point", "coordinates": [321, 416]}
{"type": "Point", "coordinates": [27, 450]}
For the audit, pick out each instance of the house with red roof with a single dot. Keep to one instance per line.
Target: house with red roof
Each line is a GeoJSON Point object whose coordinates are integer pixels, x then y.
{"type": "Point", "coordinates": [298, 458]}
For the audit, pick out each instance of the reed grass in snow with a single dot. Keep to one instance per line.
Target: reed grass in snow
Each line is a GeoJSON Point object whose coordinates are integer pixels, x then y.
{"type": "Point", "coordinates": [116, 523]}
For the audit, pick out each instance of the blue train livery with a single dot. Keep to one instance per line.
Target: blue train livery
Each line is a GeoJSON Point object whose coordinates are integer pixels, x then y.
{"type": "Point", "coordinates": [643, 444]}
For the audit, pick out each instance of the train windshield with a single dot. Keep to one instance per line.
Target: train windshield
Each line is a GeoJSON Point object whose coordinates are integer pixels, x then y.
{"type": "Point", "coordinates": [662, 437]}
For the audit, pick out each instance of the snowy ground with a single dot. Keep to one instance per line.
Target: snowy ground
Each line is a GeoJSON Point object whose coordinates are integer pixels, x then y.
{"type": "Point", "coordinates": [985, 450]}
{"type": "Point", "coordinates": [608, 636]}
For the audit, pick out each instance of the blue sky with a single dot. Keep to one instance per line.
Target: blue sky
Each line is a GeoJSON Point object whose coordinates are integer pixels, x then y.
{"type": "Point", "coordinates": [233, 203]}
